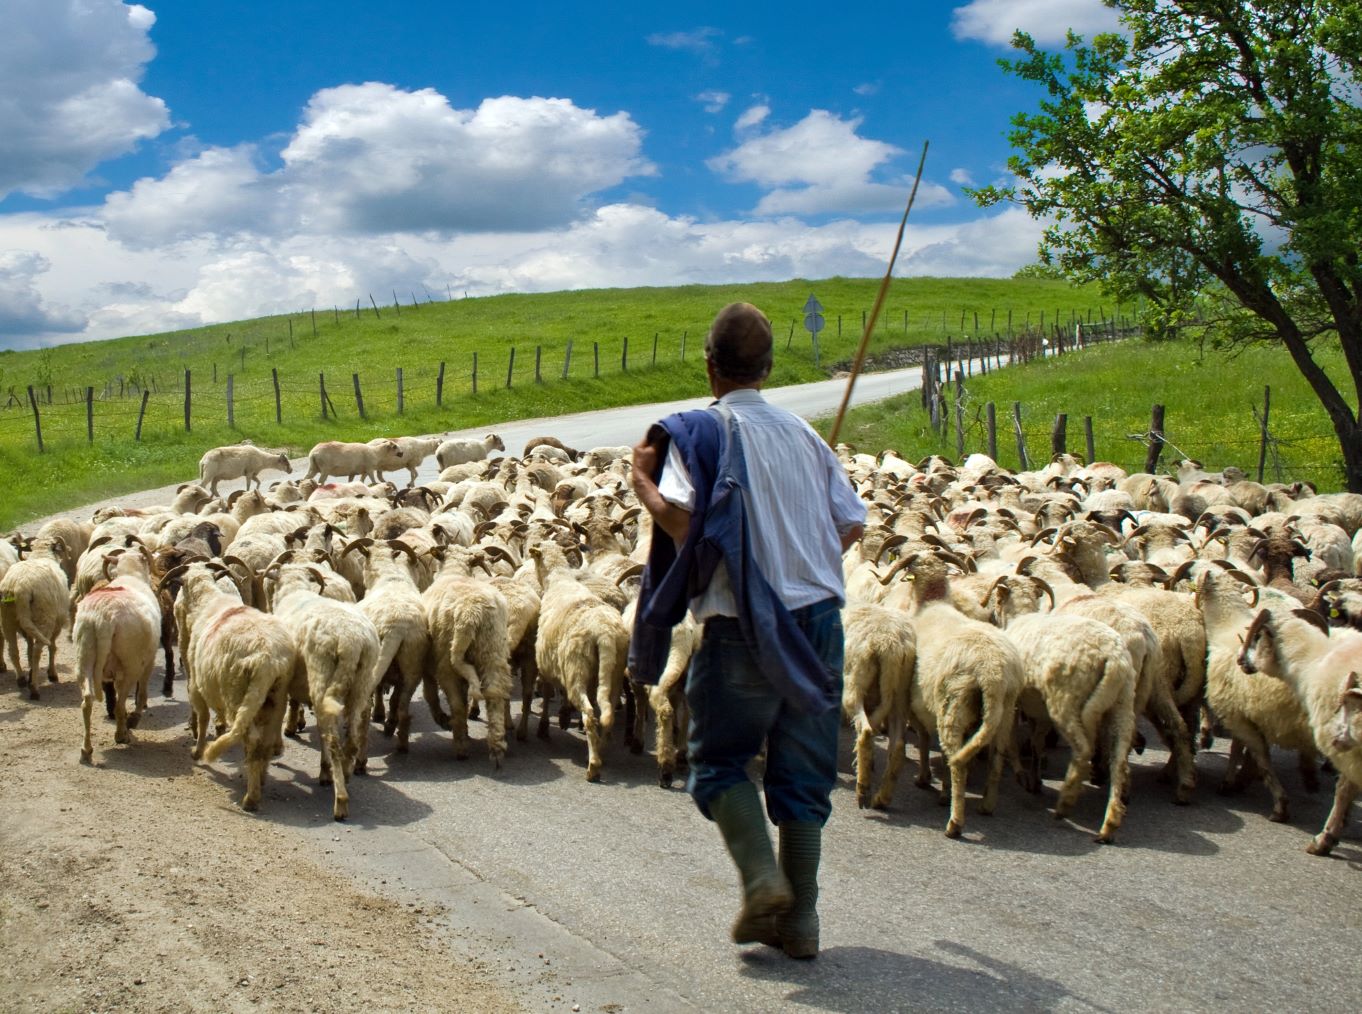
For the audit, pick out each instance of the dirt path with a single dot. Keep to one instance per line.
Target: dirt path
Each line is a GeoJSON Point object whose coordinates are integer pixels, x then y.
{"type": "Point", "coordinates": [137, 885]}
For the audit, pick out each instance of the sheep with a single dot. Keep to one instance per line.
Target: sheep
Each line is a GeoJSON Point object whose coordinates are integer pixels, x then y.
{"type": "Point", "coordinates": [602, 457]}
{"type": "Point", "coordinates": [1259, 714]}
{"type": "Point", "coordinates": [552, 442]}
{"type": "Point", "coordinates": [239, 461]}
{"type": "Point", "coordinates": [581, 646]}
{"type": "Point", "coordinates": [1077, 677]}
{"type": "Point", "coordinates": [333, 457]}
{"type": "Point", "coordinates": [881, 649]}
{"type": "Point", "coordinates": [238, 662]}
{"type": "Point", "coordinates": [393, 604]}
{"type": "Point", "coordinates": [667, 699]}
{"type": "Point", "coordinates": [34, 602]}
{"type": "Point", "coordinates": [468, 620]}
{"type": "Point", "coordinates": [968, 677]}
{"type": "Point", "coordinates": [337, 654]}
{"type": "Point", "coordinates": [1322, 672]}
{"type": "Point", "coordinates": [116, 632]}
{"type": "Point", "coordinates": [464, 450]}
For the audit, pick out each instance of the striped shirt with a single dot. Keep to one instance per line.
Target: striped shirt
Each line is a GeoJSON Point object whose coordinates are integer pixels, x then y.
{"type": "Point", "coordinates": [800, 503]}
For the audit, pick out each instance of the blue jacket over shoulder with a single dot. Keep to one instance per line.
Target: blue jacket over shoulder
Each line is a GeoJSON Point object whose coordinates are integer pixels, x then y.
{"type": "Point", "coordinates": [719, 531]}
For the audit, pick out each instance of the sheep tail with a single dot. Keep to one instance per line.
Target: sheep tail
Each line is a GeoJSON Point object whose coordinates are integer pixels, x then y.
{"type": "Point", "coordinates": [1114, 670]}
{"type": "Point", "coordinates": [989, 725]}
{"type": "Point", "coordinates": [23, 617]}
{"type": "Point", "coordinates": [257, 689]}
{"type": "Point", "coordinates": [608, 658]}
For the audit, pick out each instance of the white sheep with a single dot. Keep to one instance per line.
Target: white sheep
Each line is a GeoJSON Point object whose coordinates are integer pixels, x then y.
{"type": "Point", "coordinates": [581, 646]}
{"type": "Point", "coordinates": [968, 677]}
{"type": "Point", "coordinates": [334, 457]}
{"type": "Point", "coordinates": [1078, 679]}
{"type": "Point", "coordinates": [34, 602]}
{"type": "Point", "coordinates": [464, 450]}
{"type": "Point", "coordinates": [239, 461]}
{"type": "Point", "coordinates": [116, 632]}
{"type": "Point", "coordinates": [880, 655]}
{"type": "Point", "coordinates": [468, 620]}
{"type": "Point", "coordinates": [1322, 671]}
{"type": "Point", "coordinates": [337, 653]}
{"type": "Point", "coordinates": [238, 662]}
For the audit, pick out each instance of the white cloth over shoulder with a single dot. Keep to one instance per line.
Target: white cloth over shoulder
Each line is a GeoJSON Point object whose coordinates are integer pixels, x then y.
{"type": "Point", "coordinates": [800, 504]}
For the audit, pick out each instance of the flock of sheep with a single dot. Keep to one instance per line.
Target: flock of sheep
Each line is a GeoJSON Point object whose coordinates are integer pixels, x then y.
{"type": "Point", "coordinates": [990, 614]}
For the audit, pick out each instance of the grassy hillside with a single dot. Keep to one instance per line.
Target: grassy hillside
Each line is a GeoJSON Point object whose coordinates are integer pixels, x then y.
{"type": "Point", "coordinates": [1209, 399]}
{"type": "Point", "coordinates": [374, 343]}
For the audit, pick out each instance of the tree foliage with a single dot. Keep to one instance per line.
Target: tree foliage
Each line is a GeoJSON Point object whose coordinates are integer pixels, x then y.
{"type": "Point", "coordinates": [1209, 159]}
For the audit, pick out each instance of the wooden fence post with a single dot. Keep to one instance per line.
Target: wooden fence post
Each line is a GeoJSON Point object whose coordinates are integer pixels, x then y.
{"type": "Point", "coordinates": [538, 351]}
{"type": "Point", "coordinates": [596, 358]}
{"type": "Point", "coordinates": [401, 404]}
{"type": "Point", "coordinates": [187, 388]}
{"type": "Point", "coordinates": [314, 323]}
{"type": "Point", "coordinates": [375, 306]}
{"type": "Point", "coordinates": [1090, 446]}
{"type": "Point", "coordinates": [243, 355]}
{"type": "Point", "coordinates": [396, 305]}
{"type": "Point", "coordinates": [475, 373]}
{"type": "Point", "coordinates": [510, 367]}
{"type": "Point", "coordinates": [37, 423]}
{"type": "Point", "coordinates": [624, 356]}
{"type": "Point", "coordinates": [321, 384]}
{"type": "Point", "coordinates": [1059, 436]}
{"type": "Point", "coordinates": [440, 386]}
{"type": "Point", "coordinates": [141, 413]}
{"type": "Point", "coordinates": [278, 405]}
{"type": "Point", "coordinates": [654, 348]}
{"type": "Point", "coordinates": [1022, 459]}
{"type": "Point", "coordinates": [90, 414]}
{"type": "Point", "coordinates": [567, 359]}
{"type": "Point", "coordinates": [215, 373]}
{"type": "Point", "coordinates": [991, 421]}
{"type": "Point", "coordinates": [959, 415]}
{"type": "Point", "coordinates": [359, 397]}
{"type": "Point", "coordinates": [1151, 460]}
{"type": "Point", "coordinates": [1262, 446]}
{"type": "Point", "coordinates": [683, 345]}
{"type": "Point", "coordinates": [231, 406]}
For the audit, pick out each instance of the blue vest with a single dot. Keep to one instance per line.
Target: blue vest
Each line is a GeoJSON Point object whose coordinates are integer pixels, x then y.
{"type": "Point", "coordinates": [719, 531]}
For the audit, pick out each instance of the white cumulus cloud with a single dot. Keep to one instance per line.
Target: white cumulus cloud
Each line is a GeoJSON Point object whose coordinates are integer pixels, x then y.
{"type": "Point", "coordinates": [752, 117]}
{"type": "Point", "coordinates": [713, 101]}
{"type": "Point", "coordinates": [820, 166]}
{"type": "Point", "coordinates": [69, 95]}
{"type": "Point", "coordinates": [1047, 21]}
{"type": "Point", "coordinates": [697, 40]}
{"type": "Point", "coordinates": [962, 177]}
{"type": "Point", "coordinates": [23, 309]}
{"type": "Point", "coordinates": [373, 158]}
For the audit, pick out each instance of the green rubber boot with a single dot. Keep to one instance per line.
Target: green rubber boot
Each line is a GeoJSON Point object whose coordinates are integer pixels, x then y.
{"type": "Point", "coordinates": [766, 892]}
{"type": "Point", "coordinates": [801, 845]}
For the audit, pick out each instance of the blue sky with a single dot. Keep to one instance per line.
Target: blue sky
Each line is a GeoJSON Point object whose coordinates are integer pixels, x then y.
{"type": "Point", "coordinates": [165, 165]}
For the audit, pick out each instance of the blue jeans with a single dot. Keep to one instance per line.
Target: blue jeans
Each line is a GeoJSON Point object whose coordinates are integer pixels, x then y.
{"type": "Point", "coordinates": [734, 710]}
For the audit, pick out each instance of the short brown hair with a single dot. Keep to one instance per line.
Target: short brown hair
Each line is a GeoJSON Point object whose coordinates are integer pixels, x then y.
{"type": "Point", "coordinates": [739, 343]}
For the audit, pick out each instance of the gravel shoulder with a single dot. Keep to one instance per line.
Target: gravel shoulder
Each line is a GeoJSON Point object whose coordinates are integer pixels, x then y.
{"type": "Point", "coordinates": [137, 885]}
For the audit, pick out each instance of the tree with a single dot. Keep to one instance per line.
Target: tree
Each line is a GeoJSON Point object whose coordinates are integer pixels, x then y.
{"type": "Point", "coordinates": [1209, 158]}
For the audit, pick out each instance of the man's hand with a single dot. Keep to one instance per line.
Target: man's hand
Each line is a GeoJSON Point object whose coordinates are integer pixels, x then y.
{"type": "Point", "coordinates": [673, 520]}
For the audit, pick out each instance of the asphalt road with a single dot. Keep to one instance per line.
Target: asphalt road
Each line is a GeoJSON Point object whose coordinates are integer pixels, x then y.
{"type": "Point", "coordinates": [618, 896]}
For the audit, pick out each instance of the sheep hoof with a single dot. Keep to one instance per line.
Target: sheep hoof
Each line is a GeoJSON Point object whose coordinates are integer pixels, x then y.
{"type": "Point", "coordinates": [954, 830]}
{"type": "Point", "coordinates": [1138, 743]}
{"type": "Point", "coordinates": [862, 798]}
{"type": "Point", "coordinates": [880, 803]}
{"type": "Point", "coordinates": [134, 719]}
{"type": "Point", "coordinates": [593, 774]}
{"type": "Point", "coordinates": [1321, 845]}
{"type": "Point", "coordinates": [1280, 814]}
{"type": "Point", "coordinates": [250, 805]}
{"type": "Point", "coordinates": [33, 693]}
{"type": "Point", "coordinates": [87, 756]}
{"type": "Point", "coordinates": [521, 735]}
{"type": "Point", "coordinates": [1106, 838]}
{"type": "Point", "coordinates": [665, 779]}
{"type": "Point", "coordinates": [52, 677]}
{"type": "Point", "coordinates": [324, 778]}
{"type": "Point", "coordinates": [341, 811]}
{"type": "Point", "coordinates": [441, 719]}
{"type": "Point", "coordinates": [1205, 741]}
{"type": "Point", "coordinates": [402, 746]}
{"type": "Point", "coordinates": [361, 768]}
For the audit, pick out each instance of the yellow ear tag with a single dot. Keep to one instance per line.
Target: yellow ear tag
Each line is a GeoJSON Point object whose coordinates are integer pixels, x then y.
{"type": "Point", "coordinates": [1334, 614]}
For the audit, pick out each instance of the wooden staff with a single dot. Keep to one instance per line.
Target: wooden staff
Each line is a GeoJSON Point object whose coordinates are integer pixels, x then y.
{"type": "Point", "coordinates": [879, 304]}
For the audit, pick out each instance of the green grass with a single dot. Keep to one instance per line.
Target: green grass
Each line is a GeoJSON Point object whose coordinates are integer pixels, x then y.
{"type": "Point", "coordinates": [418, 338]}
{"type": "Point", "coordinates": [1209, 399]}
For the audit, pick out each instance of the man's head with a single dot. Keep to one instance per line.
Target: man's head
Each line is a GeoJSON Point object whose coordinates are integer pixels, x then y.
{"type": "Point", "coordinates": [738, 349]}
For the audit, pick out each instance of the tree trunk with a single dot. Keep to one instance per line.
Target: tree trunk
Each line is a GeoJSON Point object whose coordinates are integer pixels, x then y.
{"type": "Point", "coordinates": [1350, 441]}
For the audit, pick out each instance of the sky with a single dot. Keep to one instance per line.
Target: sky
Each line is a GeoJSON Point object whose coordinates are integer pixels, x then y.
{"type": "Point", "coordinates": [165, 165]}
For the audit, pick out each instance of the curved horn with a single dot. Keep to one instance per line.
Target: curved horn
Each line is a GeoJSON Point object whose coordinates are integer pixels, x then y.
{"type": "Point", "coordinates": [633, 571]}
{"type": "Point", "coordinates": [499, 553]}
{"type": "Point", "coordinates": [1045, 587]}
{"type": "Point", "coordinates": [1040, 535]}
{"type": "Point", "coordinates": [899, 564]}
{"type": "Point", "coordinates": [1313, 618]}
{"type": "Point", "coordinates": [110, 561]}
{"type": "Point", "coordinates": [889, 543]}
{"type": "Point", "coordinates": [398, 546]}
{"type": "Point", "coordinates": [360, 544]}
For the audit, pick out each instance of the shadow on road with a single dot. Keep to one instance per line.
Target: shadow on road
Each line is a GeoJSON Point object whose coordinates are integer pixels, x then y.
{"type": "Point", "coordinates": [868, 978]}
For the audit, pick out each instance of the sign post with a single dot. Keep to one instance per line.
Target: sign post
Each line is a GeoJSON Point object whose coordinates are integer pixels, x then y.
{"type": "Point", "coordinates": [814, 322]}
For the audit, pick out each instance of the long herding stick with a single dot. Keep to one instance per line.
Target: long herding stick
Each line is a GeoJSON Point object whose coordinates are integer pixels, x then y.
{"type": "Point", "coordinates": [879, 304]}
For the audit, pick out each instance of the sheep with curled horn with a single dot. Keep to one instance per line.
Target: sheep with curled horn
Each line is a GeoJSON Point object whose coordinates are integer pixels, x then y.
{"type": "Point", "coordinates": [968, 676]}
{"type": "Point", "coordinates": [393, 604]}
